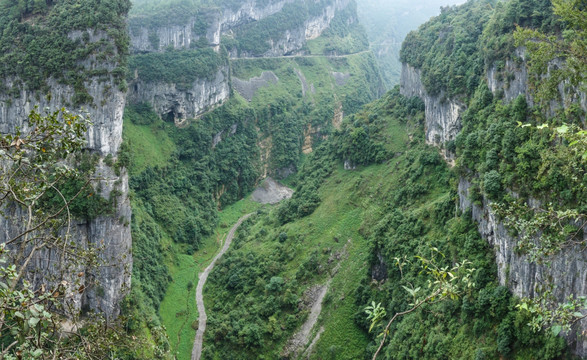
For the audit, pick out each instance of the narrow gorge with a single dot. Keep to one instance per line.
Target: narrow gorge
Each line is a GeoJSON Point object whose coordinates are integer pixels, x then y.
{"type": "Point", "coordinates": [159, 156]}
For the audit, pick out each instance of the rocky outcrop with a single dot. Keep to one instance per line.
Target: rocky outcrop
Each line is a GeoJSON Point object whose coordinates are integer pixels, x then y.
{"type": "Point", "coordinates": [176, 104]}
{"type": "Point", "coordinates": [292, 41]}
{"type": "Point", "coordinates": [226, 21]}
{"type": "Point", "coordinates": [219, 21]}
{"type": "Point", "coordinates": [524, 277]}
{"type": "Point", "coordinates": [512, 80]}
{"type": "Point", "coordinates": [108, 283]}
{"type": "Point", "coordinates": [248, 88]}
{"type": "Point", "coordinates": [443, 115]}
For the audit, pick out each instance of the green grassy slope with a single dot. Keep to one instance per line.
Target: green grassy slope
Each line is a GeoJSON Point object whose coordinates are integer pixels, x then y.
{"type": "Point", "coordinates": [399, 204]}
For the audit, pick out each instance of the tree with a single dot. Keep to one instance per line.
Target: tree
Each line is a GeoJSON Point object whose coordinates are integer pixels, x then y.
{"type": "Point", "coordinates": [570, 46]}
{"type": "Point", "coordinates": [554, 60]}
{"type": "Point", "coordinates": [36, 161]}
{"type": "Point", "coordinates": [444, 283]}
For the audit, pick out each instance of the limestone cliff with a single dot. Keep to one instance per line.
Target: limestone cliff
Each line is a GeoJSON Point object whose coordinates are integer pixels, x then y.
{"type": "Point", "coordinates": [107, 284]}
{"type": "Point", "coordinates": [218, 21]}
{"type": "Point", "coordinates": [567, 269]}
{"type": "Point", "coordinates": [512, 81]}
{"type": "Point", "coordinates": [523, 277]}
{"type": "Point", "coordinates": [443, 116]}
{"type": "Point", "coordinates": [173, 103]}
{"type": "Point", "coordinates": [225, 21]}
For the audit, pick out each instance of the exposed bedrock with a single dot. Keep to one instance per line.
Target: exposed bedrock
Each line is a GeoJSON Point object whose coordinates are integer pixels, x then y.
{"type": "Point", "coordinates": [221, 21]}
{"type": "Point", "coordinates": [443, 115]}
{"type": "Point", "coordinates": [177, 104]}
{"type": "Point", "coordinates": [107, 284]}
{"type": "Point", "coordinates": [567, 269]}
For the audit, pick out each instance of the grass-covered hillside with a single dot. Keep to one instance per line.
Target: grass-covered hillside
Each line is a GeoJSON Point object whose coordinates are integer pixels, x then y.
{"type": "Point", "coordinates": [183, 180]}
{"type": "Point", "coordinates": [360, 233]}
{"type": "Point", "coordinates": [181, 177]}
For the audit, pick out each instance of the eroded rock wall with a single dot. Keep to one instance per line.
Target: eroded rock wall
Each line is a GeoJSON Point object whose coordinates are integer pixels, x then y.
{"type": "Point", "coordinates": [219, 21]}
{"type": "Point", "coordinates": [443, 115]}
{"type": "Point", "coordinates": [225, 21]}
{"type": "Point", "coordinates": [106, 285]}
{"type": "Point", "coordinates": [170, 101]}
{"type": "Point", "coordinates": [567, 269]}
{"type": "Point", "coordinates": [512, 80]}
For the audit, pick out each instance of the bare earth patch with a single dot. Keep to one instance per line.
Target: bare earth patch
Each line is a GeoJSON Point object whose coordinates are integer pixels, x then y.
{"type": "Point", "coordinates": [271, 192]}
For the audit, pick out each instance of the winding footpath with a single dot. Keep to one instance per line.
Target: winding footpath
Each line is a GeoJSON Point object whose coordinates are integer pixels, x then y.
{"type": "Point", "coordinates": [197, 349]}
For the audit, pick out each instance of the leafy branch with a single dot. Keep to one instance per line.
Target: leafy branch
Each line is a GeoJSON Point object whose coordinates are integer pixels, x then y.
{"type": "Point", "coordinates": [444, 283]}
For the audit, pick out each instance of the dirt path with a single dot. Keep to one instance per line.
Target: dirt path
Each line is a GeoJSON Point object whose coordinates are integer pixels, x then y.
{"type": "Point", "coordinates": [197, 349]}
{"type": "Point", "coordinates": [304, 56]}
{"type": "Point", "coordinates": [302, 337]}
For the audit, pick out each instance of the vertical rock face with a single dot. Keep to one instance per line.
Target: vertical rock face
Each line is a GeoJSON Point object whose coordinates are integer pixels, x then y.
{"type": "Point", "coordinates": [443, 116]}
{"type": "Point", "coordinates": [225, 21]}
{"type": "Point", "coordinates": [170, 102]}
{"type": "Point", "coordinates": [292, 41]}
{"type": "Point", "coordinates": [568, 268]}
{"type": "Point", "coordinates": [219, 21]}
{"type": "Point", "coordinates": [513, 81]}
{"type": "Point", "coordinates": [110, 232]}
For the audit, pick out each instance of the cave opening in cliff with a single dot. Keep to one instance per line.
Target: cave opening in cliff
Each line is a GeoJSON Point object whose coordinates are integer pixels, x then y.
{"type": "Point", "coordinates": [169, 117]}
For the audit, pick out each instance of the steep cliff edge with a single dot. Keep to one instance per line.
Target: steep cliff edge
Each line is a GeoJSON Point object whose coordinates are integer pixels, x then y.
{"type": "Point", "coordinates": [99, 93]}
{"type": "Point", "coordinates": [290, 24]}
{"type": "Point", "coordinates": [443, 115]}
{"type": "Point", "coordinates": [207, 24]}
{"type": "Point", "coordinates": [177, 104]}
{"type": "Point", "coordinates": [269, 29]}
{"type": "Point", "coordinates": [490, 149]}
{"type": "Point", "coordinates": [568, 268]}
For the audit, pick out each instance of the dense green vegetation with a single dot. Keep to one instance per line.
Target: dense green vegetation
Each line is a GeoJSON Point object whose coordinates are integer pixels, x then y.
{"type": "Point", "coordinates": [284, 112]}
{"type": "Point", "coordinates": [505, 155]}
{"type": "Point", "coordinates": [254, 39]}
{"type": "Point", "coordinates": [45, 39]}
{"type": "Point", "coordinates": [345, 35]}
{"type": "Point", "coordinates": [454, 48]}
{"type": "Point", "coordinates": [397, 204]}
{"type": "Point", "coordinates": [181, 68]}
{"type": "Point", "coordinates": [154, 14]}
{"type": "Point", "coordinates": [400, 202]}
{"type": "Point", "coordinates": [493, 149]}
{"type": "Point", "coordinates": [445, 48]}
{"type": "Point", "coordinates": [178, 180]}
{"type": "Point", "coordinates": [387, 23]}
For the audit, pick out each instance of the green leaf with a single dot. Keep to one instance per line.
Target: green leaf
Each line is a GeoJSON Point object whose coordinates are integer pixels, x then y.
{"type": "Point", "coordinates": [37, 353]}
{"type": "Point", "coordinates": [578, 314]}
{"type": "Point", "coordinates": [33, 321]}
{"type": "Point", "coordinates": [562, 129]}
{"type": "Point", "coordinates": [556, 330]}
